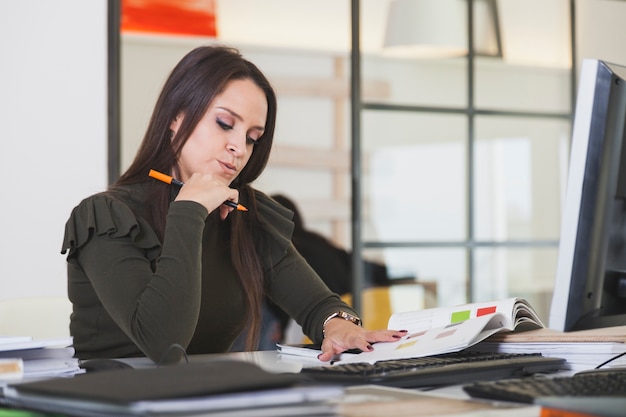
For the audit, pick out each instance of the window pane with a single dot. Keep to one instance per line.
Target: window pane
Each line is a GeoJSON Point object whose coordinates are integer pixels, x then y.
{"type": "Point", "coordinates": [520, 174]}
{"type": "Point", "coordinates": [425, 82]}
{"type": "Point", "coordinates": [516, 272]}
{"type": "Point", "coordinates": [414, 67]}
{"type": "Point", "coordinates": [414, 180]}
{"type": "Point", "coordinates": [534, 71]}
{"type": "Point", "coordinates": [442, 270]}
{"type": "Point", "coordinates": [528, 89]}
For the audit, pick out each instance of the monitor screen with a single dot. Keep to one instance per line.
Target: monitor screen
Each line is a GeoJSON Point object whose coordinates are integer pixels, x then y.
{"type": "Point", "coordinates": [590, 286]}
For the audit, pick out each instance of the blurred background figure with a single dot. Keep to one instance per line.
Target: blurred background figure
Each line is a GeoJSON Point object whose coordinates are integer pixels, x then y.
{"type": "Point", "coordinates": [332, 263]}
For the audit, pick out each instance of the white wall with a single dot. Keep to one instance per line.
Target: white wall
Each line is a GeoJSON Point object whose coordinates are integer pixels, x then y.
{"type": "Point", "coordinates": [53, 113]}
{"type": "Point", "coordinates": [601, 30]}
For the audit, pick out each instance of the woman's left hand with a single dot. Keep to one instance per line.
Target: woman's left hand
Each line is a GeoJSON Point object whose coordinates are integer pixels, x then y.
{"type": "Point", "coordinates": [341, 335]}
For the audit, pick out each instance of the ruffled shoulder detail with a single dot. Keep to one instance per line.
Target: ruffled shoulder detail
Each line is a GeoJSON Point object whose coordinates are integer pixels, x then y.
{"type": "Point", "coordinates": [276, 221]}
{"type": "Point", "coordinates": [103, 214]}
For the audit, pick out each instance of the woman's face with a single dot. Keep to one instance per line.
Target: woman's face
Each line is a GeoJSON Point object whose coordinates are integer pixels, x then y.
{"type": "Point", "coordinates": [222, 142]}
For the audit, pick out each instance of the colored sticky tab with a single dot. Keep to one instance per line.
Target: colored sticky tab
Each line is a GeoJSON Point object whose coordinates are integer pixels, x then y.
{"type": "Point", "coordinates": [485, 310]}
{"type": "Point", "coordinates": [459, 316]}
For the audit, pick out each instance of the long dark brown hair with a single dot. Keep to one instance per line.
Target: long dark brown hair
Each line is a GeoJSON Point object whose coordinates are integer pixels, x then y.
{"type": "Point", "coordinates": [192, 85]}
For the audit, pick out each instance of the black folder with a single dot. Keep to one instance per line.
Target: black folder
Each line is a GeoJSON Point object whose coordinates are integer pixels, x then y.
{"type": "Point", "coordinates": [209, 386]}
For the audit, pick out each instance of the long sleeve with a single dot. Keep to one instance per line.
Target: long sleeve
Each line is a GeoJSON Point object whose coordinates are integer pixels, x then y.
{"type": "Point", "coordinates": [122, 278]}
{"type": "Point", "coordinates": [293, 284]}
{"type": "Point", "coordinates": [134, 295]}
{"type": "Point", "coordinates": [298, 290]}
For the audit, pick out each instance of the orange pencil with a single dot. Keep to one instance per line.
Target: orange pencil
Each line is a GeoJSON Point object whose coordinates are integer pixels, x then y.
{"type": "Point", "coordinates": [165, 178]}
{"type": "Point", "coordinates": [169, 180]}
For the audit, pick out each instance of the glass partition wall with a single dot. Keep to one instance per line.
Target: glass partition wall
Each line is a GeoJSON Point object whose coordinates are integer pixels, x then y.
{"type": "Point", "coordinates": [458, 163]}
{"type": "Point", "coordinates": [465, 162]}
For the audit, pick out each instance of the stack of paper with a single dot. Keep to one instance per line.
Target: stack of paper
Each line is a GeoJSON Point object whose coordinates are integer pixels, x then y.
{"type": "Point", "coordinates": [37, 358]}
{"type": "Point", "coordinates": [585, 349]}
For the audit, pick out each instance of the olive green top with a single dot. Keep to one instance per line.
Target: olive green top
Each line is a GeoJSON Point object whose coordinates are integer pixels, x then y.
{"type": "Point", "coordinates": [134, 295]}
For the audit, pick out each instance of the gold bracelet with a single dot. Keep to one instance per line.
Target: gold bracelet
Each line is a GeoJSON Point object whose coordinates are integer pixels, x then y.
{"type": "Point", "coordinates": [341, 315]}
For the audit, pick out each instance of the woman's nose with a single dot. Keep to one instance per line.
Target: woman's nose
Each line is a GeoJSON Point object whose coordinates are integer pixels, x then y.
{"type": "Point", "coordinates": [236, 145]}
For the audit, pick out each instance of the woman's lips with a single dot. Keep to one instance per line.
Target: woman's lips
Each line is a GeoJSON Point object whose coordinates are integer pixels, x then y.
{"type": "Point", "coordinates": [228, 168]}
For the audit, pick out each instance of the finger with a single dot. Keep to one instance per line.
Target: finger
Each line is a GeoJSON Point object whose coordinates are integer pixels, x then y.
{"type": "Point", "coordinates": [382, 336]}
{"type": "Point", "coordinates": [364, 346]}
{"type": "Point", "coordinates": [329, 350]}
{"type": "Point", "coordinates": [326, 356]}
{"type": "Point", "coordinates": [385, 335]}
{"type": "Point", "coordinates": [327, 353]}
{"type": "Point", "coordinates": [225, 211]}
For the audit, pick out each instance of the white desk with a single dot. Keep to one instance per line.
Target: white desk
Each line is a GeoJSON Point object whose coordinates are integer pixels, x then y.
{"type": "Point", "coordinates": [376, 401]}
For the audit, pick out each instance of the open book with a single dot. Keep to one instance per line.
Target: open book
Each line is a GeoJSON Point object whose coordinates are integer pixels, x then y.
{"type": "Point", "coordinates": [447, 329]}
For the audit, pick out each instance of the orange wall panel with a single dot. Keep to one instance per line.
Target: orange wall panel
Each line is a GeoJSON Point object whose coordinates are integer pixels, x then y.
{"type": "Point", "coordinates": [176, 17]}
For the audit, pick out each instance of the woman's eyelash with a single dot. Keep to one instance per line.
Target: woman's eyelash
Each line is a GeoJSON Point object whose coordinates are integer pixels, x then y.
{"type": "Point", "coordinates": [224, 125]}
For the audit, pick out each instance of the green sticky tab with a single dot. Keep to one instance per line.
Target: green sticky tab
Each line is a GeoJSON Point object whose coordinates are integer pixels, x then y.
{"type": "Point", "coordinates": [460, 316]}
{"type": "Point", "coordinates": [25, 413]}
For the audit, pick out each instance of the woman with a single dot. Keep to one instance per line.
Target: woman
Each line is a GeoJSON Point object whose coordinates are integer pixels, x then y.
{"type": "Point", "coordinates": [152, 266]}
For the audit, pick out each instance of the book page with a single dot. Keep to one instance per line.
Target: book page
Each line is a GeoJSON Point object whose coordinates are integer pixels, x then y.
{"type": "Point", "coordinates": [524, 316]}
{"type": "Point", "coordinates": [605, 334]}
{"type": "Point", "coordinates": [415, 321]}
{"type": "Point", "coordinates": [7, 339]}
{"type": "Point", "coordinates": [30, 343]}
{"type": "Point", "coordinates": [309, 350]}
{"type": "Point", "coordinates": [444, 339]}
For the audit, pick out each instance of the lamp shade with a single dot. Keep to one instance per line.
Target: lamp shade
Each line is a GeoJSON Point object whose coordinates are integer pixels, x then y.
{"type": "Point", "coordinates": [438, 28]}
{"type": "Point", "coordinates": [427, 28]}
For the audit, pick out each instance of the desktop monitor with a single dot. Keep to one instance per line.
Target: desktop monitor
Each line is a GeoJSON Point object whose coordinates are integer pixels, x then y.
{"type": "Point", "coordinates": [590, 286]}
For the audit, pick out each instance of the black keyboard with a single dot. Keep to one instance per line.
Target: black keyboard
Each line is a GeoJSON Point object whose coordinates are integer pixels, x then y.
{"type": "Point", "coordinates": [528, 390]}
{"type": "Point", "coordinates": [447, 369]}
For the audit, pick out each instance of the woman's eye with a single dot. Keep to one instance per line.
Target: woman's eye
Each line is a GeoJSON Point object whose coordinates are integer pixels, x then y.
{"type": "Point", "coordinates": [224, 125]}
{"type": "Point", "coordinates": [251, 141]}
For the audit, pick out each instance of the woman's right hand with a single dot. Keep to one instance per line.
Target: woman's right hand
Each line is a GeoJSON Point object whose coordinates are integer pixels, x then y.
{"type": "Point", "coordinates": [210, 191]}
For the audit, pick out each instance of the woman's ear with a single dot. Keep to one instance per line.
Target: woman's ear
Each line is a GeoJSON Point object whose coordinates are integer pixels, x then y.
{"type": "Point", "coordinates": [176, 123]}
